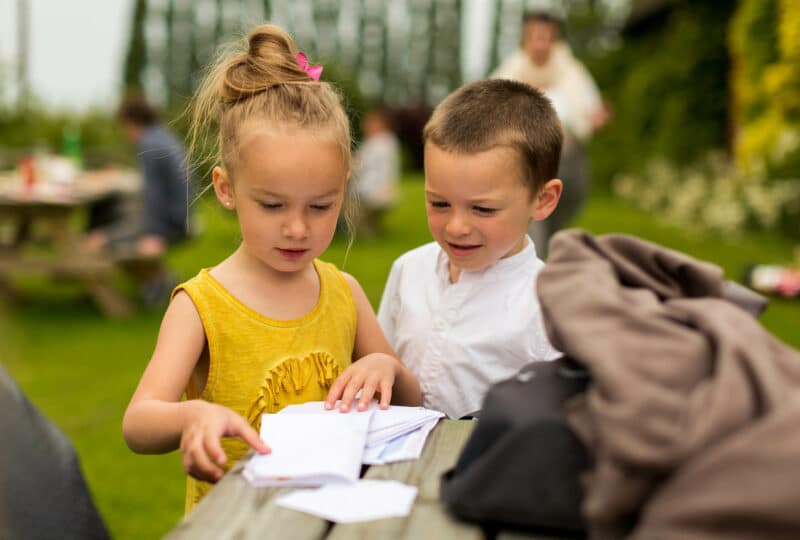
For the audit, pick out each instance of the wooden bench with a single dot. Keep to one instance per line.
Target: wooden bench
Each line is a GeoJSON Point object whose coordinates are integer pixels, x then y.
{"type": "Point", "coordinates": [95, 272]}
{"type": "Point", "coordinates": [236, 509]}
{"type": "Point", "coordinates": [50, 208]}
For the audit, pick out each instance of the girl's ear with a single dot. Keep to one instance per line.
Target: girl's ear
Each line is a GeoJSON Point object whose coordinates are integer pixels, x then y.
{"type": "Point", "coordinates": [223, 188]}
{"type": "Point", "coordinates": [547, 199]}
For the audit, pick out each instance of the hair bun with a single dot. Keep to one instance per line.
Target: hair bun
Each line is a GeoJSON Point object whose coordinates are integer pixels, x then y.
{"type": "Point", "coordinates": [267, 61]}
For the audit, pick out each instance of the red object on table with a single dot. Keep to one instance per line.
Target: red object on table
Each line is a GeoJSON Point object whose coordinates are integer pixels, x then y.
{"type": "Point", "coordinates": [28, 172]}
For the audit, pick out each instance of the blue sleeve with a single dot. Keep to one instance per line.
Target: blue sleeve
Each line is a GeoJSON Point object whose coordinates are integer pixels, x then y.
{"type": "Point", "coordinates": [166, 193]}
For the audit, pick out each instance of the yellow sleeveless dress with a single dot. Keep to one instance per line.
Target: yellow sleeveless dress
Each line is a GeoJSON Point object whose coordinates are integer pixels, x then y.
{"type": "Point", "coordinates": [260, 365]}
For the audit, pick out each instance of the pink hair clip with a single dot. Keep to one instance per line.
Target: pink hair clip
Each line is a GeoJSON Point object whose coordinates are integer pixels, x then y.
{"type": "Point", "coordinates": [313, 71]}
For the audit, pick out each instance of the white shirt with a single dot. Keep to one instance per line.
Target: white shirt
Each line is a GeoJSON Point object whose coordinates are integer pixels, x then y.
{"type": "Point", "coordinates": [460, 338]}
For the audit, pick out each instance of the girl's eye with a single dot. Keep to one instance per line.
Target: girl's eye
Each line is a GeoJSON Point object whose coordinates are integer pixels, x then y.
{"type": "Point", "coordinates": [271, 205]}
{"type": "Point", "coordinates": [484, 210]}
{"type": "Point", "coordinates": [439, 204]}
{"type": "Point", "coordinates": [321, 207]}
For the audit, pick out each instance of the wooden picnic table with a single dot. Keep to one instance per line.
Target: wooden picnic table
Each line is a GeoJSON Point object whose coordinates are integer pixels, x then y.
{"type": "Point", "coordinates": [49, 207]}
{"type": "Point", "coordinates": [236, 509]}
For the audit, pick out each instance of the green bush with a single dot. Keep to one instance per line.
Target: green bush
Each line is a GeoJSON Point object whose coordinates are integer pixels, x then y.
{"type": "Point", "coordinates": [765, 46]}
{"type": "Point", "coordinates": [667, 86]}
{"type": "Point", "coordinates": [37, 129]}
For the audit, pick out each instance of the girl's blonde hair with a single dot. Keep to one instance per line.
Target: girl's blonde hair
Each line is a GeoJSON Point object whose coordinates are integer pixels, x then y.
{"type": "Point", "coordinates": [258, 79]}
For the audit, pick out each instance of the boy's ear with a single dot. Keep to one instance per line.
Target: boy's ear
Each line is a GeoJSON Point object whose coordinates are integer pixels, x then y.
{"type": "Point", "coordinates": [223, 188]}
{"type": "Point", "coordinates": [547, 199]}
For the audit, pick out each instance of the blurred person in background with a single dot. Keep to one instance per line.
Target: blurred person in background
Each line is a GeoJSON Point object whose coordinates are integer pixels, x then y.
{"type": "Point", "coordinates": [545, 61]}
{"type": "Point", "coordinates": [160, 217]}
{"type": "Point", "coordinates": [377, 171]}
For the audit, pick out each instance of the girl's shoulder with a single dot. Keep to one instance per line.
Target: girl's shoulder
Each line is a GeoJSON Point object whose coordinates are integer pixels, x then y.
{"type": "Point", "coordinates": [332, 278]}
{"type": "Point", "coordinates": [197, 283]}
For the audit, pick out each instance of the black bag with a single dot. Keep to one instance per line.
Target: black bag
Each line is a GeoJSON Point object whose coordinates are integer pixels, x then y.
{"type": "Point", "coordinates": [521, 466]}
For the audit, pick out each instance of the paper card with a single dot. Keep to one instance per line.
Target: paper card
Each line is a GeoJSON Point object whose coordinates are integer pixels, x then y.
{"type": "Point", "coordinates": [363, 501]}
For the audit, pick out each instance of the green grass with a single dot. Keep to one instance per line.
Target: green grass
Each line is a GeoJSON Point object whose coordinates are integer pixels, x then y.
{"type": "Point", "coordinates": [81, 369]}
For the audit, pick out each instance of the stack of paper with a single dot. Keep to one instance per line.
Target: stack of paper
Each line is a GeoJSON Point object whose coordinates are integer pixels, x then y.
{"type": "Point", "coordinates": [395, 434]}
{"type": "Point", "coordinates": [312, 446]}
{"type": "Point", "coordinates": [310, 449]}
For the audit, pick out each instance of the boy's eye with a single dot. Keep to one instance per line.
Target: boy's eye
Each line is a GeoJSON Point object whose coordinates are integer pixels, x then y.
{"type": "Point", "coordinates": [439, 204]}
{"type": "Point", "coordinates": [484, 210]}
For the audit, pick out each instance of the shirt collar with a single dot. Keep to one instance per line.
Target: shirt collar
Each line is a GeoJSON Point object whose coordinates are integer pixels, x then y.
{"type": "Point", "coordinates": [499, 270]}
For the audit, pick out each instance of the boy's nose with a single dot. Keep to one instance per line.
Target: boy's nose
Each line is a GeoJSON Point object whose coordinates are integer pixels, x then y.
{"type": "Point", "coordinates": [457, 225]}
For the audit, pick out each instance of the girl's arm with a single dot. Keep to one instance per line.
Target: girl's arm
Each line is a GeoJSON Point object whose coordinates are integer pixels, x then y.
{"type": "Point", "coordinates": [376, 368]}
{"type": "Point", "coordinates": [156, 421]}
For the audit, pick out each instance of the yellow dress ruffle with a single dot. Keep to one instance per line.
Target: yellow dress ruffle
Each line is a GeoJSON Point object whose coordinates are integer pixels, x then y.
{"type": "Point", "coordinates": [285, 381]}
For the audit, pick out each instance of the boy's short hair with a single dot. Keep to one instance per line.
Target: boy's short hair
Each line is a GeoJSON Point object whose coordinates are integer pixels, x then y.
{"type": "Point", "coordinates": [496, 113]}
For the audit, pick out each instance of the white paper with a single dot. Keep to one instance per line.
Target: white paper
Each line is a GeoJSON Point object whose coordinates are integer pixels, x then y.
{"type": "Point", "coordinates": [402, 448]}
{"type": "Point", "coordinates": [310, 449]}
{"type": "Point", "coordinates": [386, 425]}
{"type": "Point", "coordinates": [363, 501]}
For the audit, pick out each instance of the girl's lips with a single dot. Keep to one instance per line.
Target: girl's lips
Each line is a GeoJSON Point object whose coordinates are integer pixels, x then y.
{"type": "Point", "coordinates": [292, 254]}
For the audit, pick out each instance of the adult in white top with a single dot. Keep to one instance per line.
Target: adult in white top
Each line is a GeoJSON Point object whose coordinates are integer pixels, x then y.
{"type": "Point", "coordinates": [545, 61]}
{"type": "Point", "coordinates": [460, 338]}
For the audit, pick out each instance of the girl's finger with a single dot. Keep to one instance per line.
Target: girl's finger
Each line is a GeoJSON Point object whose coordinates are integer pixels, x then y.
{"type": "Point", "coordinates": [251, 437]}
{"type": "Point", "coordinates": [201, 466]}
{"type": "Point", "coordinates": [350, 393]}
{"type": "Point", "coordinates": [386, 393]}
{"type": "Point", "coordinates": [366, 395]}
{"type": "Point", "coordinates": [213, 449]}
{"type": "Point", "coordinates": [336, 389]}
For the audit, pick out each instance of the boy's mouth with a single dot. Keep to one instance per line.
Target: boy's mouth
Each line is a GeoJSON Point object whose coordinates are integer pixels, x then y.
{"type": "Point", "coordinates": [462, 249]}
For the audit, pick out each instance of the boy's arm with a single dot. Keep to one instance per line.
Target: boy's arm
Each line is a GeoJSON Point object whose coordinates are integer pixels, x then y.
{"type": "Point", "coordinates": [370, 340]}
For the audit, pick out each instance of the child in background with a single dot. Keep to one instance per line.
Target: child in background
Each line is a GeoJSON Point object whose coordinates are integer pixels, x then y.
{"type": "Point", "coordinates": [377, 171]}
{"type": "Point", "coordinates": [462, 312]}
{"type": "Point", "coordinates": [271, 325]}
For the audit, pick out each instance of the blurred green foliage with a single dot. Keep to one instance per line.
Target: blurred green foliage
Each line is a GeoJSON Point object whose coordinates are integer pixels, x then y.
{"type": "Point", "coordinates": [765, 46]}
{"type": "Point", "coordinates": [667, 88]}
{"type": "Point", "coordinates": [38, 129]}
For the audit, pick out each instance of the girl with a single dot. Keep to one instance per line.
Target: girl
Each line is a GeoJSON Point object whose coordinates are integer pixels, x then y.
{"type": "Point", "coordinates": [271, 325]}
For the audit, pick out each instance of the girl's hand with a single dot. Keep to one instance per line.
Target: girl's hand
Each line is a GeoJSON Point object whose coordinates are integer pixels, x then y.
{"type": "Point", "coordinates": [370, 373]}
{"type": "Point", "coordinates": [203, 455]}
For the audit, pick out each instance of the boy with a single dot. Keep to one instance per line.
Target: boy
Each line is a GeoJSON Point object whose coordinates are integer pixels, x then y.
{"type": "Point", "coordinates": [462, 312]}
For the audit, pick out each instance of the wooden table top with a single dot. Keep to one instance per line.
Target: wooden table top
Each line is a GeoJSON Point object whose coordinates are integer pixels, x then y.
{"type": "Point", "coordinates": [88, 187]}
{"type": "Point", "coordinates": [235, 509]}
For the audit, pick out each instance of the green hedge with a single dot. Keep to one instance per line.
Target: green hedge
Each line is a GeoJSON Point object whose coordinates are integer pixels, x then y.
{"type": "Point", "coordinates": [765, 46]}
{"type": "Point", "coordinates": [668, 87]}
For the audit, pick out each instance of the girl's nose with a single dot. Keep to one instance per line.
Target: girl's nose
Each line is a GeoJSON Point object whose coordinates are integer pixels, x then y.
{"type": "Point", "coordinates": [295, 228]}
